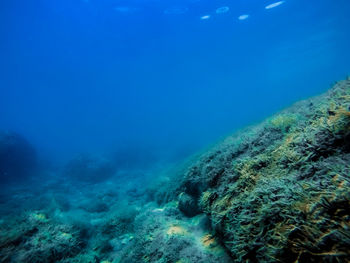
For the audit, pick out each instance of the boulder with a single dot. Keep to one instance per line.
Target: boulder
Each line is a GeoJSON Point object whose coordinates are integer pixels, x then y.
{"type": "Point", "coordinates": [280, 191]}
{"type": "Point", "coordinates": [18, 159]}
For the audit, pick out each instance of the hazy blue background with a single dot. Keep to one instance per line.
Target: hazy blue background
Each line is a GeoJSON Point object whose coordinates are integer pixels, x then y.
{"type": "Point", "coordinates": [91, 75]}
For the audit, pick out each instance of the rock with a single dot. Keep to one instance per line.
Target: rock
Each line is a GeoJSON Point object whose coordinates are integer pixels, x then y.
{"type": "Point", "coordinates": [188, 205]}
{"type": "Point", "coordinates": [280, 191]}
{"type": "Point", "coordinates": [18, 158]}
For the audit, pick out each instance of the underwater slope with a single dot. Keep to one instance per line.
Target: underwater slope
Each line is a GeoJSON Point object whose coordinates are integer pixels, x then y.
{"type": "Point", "coordinates": [280, 191]}
{"type": "Point", "coordinates": [275, 192]}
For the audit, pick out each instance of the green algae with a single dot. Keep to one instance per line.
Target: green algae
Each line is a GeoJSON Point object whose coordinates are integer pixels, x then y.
{"type": "Point", "coordinates": [280, 191]}
{"type": "Point", "coordinates": [36, 238]}
{"type": "Point", "coordinates": [274, 192]}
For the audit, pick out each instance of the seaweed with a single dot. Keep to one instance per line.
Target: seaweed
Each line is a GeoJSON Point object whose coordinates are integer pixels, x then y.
{"type": "Point", "coordinates": [274, 192]}
{"type": "Point", "coordinates": [35, 238]}
{"type": "Point", "coordinates": [279, 191]}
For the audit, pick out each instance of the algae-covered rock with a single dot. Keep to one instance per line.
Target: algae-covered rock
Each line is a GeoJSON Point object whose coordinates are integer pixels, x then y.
{"type": "Point", "coordinates": [164, 235]}
{"type": "Point", "coordinates": [36, 238]}
{"type": "Point", "coordinates": [18, 158]}
{"type": "Point", "coordinates": [280, 191]}
{"type": "Point", "coordinates": [188, 205]}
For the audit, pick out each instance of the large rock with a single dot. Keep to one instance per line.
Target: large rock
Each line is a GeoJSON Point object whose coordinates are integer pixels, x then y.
{"type": "Point", "coordinates": [18, 158]}
{"type": "Point", "coordinates": [188, 205]}
{"type": "Point", "coordinates": [280, 191]}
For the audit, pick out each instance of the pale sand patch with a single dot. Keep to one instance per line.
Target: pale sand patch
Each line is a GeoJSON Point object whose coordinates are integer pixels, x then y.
{"type": "Point", "coordinates": [176, 230]}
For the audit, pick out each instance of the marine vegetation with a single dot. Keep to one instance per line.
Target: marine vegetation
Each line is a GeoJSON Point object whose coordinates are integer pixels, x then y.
{"type": "Point", "coordinates": [35, 238]}
{"type": "Point", "coordinates": [274, 192]}
{"type": "Point", "coordinates": [279, 191]}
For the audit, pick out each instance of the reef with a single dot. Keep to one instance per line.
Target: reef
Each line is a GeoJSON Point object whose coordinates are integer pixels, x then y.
{"type": "Point", "coordinates": [274, 192]}
{"type": "Point", "coordinates": [280, 191]}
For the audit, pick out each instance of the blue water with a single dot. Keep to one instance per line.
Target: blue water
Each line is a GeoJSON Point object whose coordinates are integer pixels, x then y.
{"type": "Point", "coordinates": [92, 75]}
{"type": "Point", "coordinates": [102, 101]}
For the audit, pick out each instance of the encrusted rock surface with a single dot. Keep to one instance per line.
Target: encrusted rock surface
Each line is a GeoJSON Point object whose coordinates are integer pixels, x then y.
{"type": "Point", "coordinates": [275, 192]}
{"type": "Point", "coordinates": [280, 191]}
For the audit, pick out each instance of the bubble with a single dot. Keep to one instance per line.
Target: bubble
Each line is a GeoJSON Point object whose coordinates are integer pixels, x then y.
{"type": "Point", "coordinates": [274, 5]}
{"type": "Point", "coordinates": [175, 10]}
{"type": "Point", "coordinates": [222, 10]}
{"type": "Point", "coordinates": [206, 17]}
{"type": "Point", "coordinates": [243, 17]}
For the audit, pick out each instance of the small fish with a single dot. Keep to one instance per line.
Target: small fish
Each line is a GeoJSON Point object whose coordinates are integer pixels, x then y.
{"type": "Point", "coordinates": [205, 17]}
{"type": "Point", "coordinates": [274, 5]}
{"type": "Point", "coordinates": [222, 10]}
{"type": "Point", "coordinates": [243, 17]}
